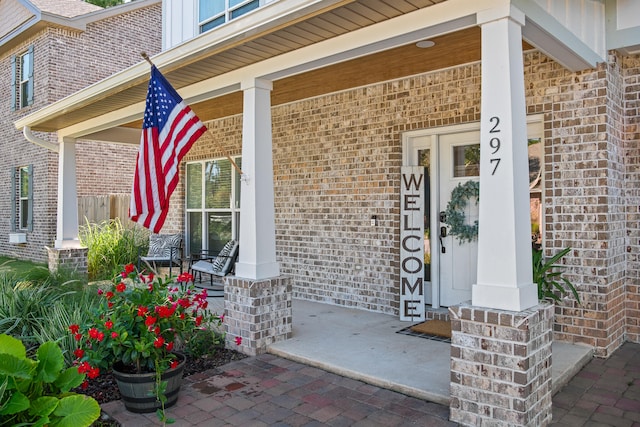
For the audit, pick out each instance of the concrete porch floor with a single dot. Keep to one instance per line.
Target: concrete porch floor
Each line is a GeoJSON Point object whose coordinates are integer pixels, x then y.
{"type": "Point", "coordinates": [365, 346]}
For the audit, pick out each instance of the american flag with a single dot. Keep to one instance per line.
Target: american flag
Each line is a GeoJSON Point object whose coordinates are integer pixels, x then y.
{"type": "Point", "coordinates": [169, 130]}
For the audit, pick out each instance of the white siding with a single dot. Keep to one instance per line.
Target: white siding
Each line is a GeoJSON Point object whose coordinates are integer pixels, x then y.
{"type": "Point", "coordinates": [584, 18]}
{"type": "Point", "coordinates": [628, 14]}
{"type": "Point", "coordinates": [179, 22]}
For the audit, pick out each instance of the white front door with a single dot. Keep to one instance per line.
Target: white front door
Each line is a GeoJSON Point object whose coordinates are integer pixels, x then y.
{"type": "Point", "coordinates": [450, 156]}
{"type": "Point", "coordinates": [458, 162]}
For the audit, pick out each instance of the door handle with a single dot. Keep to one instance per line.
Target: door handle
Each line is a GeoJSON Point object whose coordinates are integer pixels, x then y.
{"type": "Point", "coordinates": [443, 231]}
{"type": "Point", "coordinates": [443, 216]}
{"type": "Point", "coordinates": [442, 248]}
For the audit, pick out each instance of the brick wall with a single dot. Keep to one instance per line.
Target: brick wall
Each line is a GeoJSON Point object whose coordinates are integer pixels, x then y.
{"type": "Point", "coordinates": [66, 61]}
{"type": "Point", "coordinates": [631, 75]}
{"type": "Point", "coordinates": [337, 162]}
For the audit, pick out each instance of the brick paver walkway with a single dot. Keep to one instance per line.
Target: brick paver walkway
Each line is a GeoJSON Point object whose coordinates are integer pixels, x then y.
{"type": "Point", "coordinates": [606, 392]}
{"type": "Point", "coordinates": [271, 391]}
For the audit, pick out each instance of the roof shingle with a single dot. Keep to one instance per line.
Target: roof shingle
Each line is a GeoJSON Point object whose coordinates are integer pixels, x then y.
{"type": "Point", "coordinates": [66, 8]}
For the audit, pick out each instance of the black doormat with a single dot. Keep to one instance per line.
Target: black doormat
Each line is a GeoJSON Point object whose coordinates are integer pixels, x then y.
{"type": "Point", "coordinates": [410, 332]}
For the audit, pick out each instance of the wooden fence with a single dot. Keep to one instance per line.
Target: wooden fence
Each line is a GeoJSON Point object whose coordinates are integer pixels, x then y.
{"type": "Point", "coordinates": [96, 209]}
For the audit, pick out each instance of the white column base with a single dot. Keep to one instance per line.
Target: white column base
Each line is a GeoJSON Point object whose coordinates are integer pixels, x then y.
{"type": "Point", "coordinates": [505, 297]}
{"type": "Point", "coordinates": [68, 244]}
{"type": "Point", "coordinates": [257, 271]}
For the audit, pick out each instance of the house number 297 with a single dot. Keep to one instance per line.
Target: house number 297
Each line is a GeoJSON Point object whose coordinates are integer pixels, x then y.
{"type": "Point", "coordinates": [494, 143]}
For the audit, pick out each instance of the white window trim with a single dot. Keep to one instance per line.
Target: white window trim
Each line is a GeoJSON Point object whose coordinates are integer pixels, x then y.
{"type": "Point", "coordinates": [227, 13]}
{"type": "Point", "coordinates": [233, 209]}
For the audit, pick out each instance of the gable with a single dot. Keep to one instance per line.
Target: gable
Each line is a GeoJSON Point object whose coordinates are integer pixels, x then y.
{"type": "Point", "coordinates": [12, 15]}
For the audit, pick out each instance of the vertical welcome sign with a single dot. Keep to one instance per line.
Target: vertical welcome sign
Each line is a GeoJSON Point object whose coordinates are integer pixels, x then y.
{"type": "Point", "coordinates": [412, 243]}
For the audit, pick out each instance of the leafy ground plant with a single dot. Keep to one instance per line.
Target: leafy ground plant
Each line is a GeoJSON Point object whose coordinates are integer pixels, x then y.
{"type": "Point", "coordinates": [548, 276]}
{"type": "Point", "coordinates": [38, 392]}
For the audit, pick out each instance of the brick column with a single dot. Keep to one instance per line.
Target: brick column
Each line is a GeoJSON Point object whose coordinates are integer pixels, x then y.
{"type": "Point", "coordinates": [70, 259]}
{"type": "Point", "coordinates": [258, 311]}
{"type": "Point", "coordinates": [501, 366]}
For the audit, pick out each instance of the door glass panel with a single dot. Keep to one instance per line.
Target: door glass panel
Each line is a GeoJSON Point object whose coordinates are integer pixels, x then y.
{"type": "Point", "coordinates": [219, 230]}
{"type": "Point", "coordinates": [466, 160]}
{"type": "Point", "coordinates": [535, 150]}
{"type": "Point", "coordinates": [237, 183]}
{"type": "Point", "coordinates": [424, 159]}
{"type": "Point", "coordinates": [217, 184]}
{"type": "Point", "coordinates": [195, 232]}
{"type": "Point", "coordinates": [194, 186]}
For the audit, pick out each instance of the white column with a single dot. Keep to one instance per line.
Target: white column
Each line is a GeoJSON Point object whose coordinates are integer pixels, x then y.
{"type": "Point", "coordinates": [67, 228]}
{"type": "Point", "coordinates": [257, 258]}
{"type": "Point", "coordinates": [504, 238]}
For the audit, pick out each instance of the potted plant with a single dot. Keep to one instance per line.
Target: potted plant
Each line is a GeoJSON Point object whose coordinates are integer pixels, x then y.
{"type": "Point", "coordinates": [136, 329]}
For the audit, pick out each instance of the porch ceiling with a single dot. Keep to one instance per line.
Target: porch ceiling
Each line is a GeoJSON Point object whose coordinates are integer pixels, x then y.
{"type": "Point", "coordinates": [209, 68]}
{"type": "Point", "coordinates": [449, 50]}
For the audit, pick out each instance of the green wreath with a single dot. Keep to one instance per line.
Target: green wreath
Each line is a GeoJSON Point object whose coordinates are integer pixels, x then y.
{"type": "Point", "coordinates": [455, 217]}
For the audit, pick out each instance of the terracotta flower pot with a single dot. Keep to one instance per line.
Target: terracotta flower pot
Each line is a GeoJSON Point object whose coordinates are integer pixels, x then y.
{"type": "Point", "coordinates": [137, 390]}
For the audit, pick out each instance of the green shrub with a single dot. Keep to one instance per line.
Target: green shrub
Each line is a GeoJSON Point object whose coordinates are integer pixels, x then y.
{"type": "Point", "coordinates": [111, 246]}
{"type": "Point", "coordinates": [38, 392]}
{"type": "Point", "coordinates": [548, 276]}
{"type": "Point", "coordinates": [37, 311]}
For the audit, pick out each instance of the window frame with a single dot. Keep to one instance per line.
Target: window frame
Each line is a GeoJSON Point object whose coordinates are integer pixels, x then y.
{"type": "Point", "coordinates": [22, 204]}
{"type": "Point", "coordinates": [227, 14]}
{"type": "Point", "coordinates": [233, 209]}
{"type": "Point", "coordinates": [22, 86]}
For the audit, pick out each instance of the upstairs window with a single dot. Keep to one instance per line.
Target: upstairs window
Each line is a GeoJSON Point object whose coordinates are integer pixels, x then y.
{"type": "Point", "coordinates": [22, 79]}
{"type": "Point", "coordinates": [213, 13]}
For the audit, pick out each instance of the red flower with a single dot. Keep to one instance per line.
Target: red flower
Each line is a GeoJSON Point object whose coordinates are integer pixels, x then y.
{"type": "Point", "coordinates": [74, 328]}
{"type": "Point", "coordinates": [157, 330]}
{"type": "Point", "coordinates": [198, 320]}
{"type": "Point", "coordinates": [109, 304]}
{"type": "Point", "coordinates": [100, 336]}
{"type": "Point", "coordinates": [114, 335]}
{"type": "Point", "coordinates": [238, 340]}
{"type": "Point", "coordinates": [109, 295]}
{"type": "Point", "coordinates": [150, 287]}
{"type": "Point", "coordinates": [93, 373]}
{"type": "Point", "coordinates": [93, 333]}
{"type": "Point", "coordinates": [222, 317]}
{"type": "Point", "coordinates": [165, 312]}
{"type": "Point", "coordinates": [142, 310]}
{"type": "Point", "coordinates": [84, 367]}
{"type": "Point", "coordinates": [121, 287]}
{"type": "Point", "coordinates": [108, 324]}
{"type": "Point", "coordinates": [100, 292]}
{"type": "Point", "coordinates": [185, 278]}
{"type": "Point", "coordinates": [184, 302]}
{"type": "Point", "coordinates": [84, 384]}
{"type": "Point", "coordinates": [158, 342]}
{"type": "Point", "coordinates": [170, 346]}
{"type": "Point", "coordinates": [174, 364]}
{"type": "Point", "coordinates": [182, 316]}
{"type": "Point", "coordinates": [127, 270]}
{"type": "Point", "coordinates": [78, 352]}
{"type": "Point", "coordinates": [149, 321]}
{"type": "Point", "coordinates": [78, 337]}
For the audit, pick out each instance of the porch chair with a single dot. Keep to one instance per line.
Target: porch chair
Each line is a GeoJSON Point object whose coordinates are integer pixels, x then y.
{"type": "Point", "coordinates": [218, 265]}
{"type": "Point", "coordinates": [165, 250]}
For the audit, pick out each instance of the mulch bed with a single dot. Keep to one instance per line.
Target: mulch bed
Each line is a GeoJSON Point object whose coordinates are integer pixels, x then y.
{"type": "Point", "coordinates": [104, 388]}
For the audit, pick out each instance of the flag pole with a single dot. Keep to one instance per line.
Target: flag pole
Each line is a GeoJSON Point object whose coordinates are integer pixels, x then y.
{"type": "Point", "coordinates": [237, 168]}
